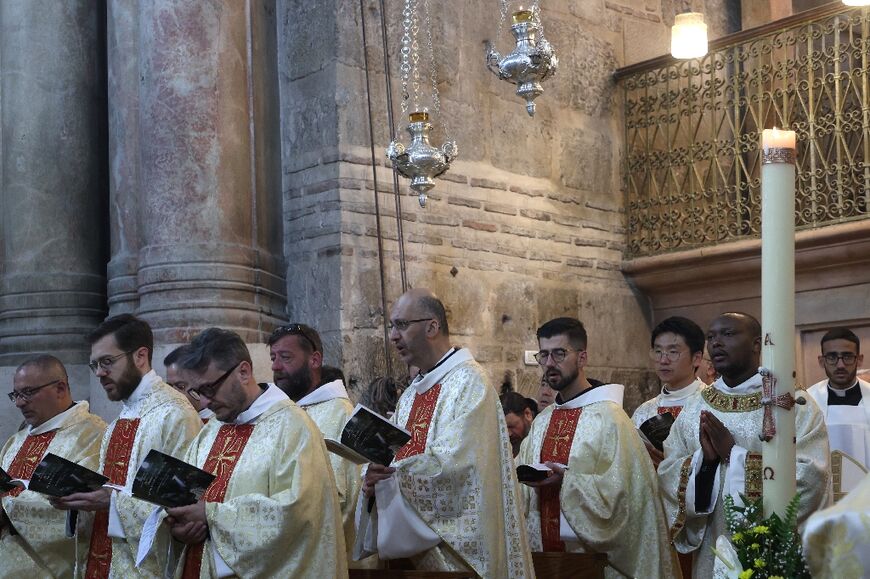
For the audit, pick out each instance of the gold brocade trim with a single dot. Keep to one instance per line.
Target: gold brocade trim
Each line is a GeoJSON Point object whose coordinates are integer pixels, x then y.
{"type": "Point", "coordinates": [753, 483]}
{"type": "Point", "coordinates": [731, 402]}
{"type": "Point", "coordinates": [680, 520]}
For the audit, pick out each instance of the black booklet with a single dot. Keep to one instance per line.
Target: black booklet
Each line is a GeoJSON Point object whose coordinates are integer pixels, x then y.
{"type": "Point", "coordinates": [7, 482]}
{"type": "Point", "coordinates": [656, 429]}
{"type": "Point", "coordinates": [169, 482]}
{"type": "Point", "coordinates": [369, 437]}
{"type": "Point", "coordinates": [534, 472]}
{"type": "Point", "coordinates": [59, 477]}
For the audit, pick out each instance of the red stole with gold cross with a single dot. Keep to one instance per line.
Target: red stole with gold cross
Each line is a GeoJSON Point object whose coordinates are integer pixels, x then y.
{"type": "Point", "coordinates": [556, 448]}
{"type": "Point", "coordinates": [28, 456]}
{"type": "Point", "coordinates": [418, 422]}
{"type": "Point", "coordinates": [674, 410]}
{"type": "Point", "coordinates": [222, 459]}
{"type": "Point", "coordinates": [115, 467]}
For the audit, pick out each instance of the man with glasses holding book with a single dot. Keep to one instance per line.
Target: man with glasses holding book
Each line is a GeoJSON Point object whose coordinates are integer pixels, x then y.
{"type": "Point", "coordinates": [844, 400]}
{"type": "Point", "coordinates": [448, 501]}
{"type": "Point", "coordinates": [272, 510]}
{"type": "Point", "coordinates": [601, 493]}
{"type": "Point", "coordinates": [153, 416]}
{"type": "Point", "coordinates": [32, 533]}
{"type": "Point", "coordinates": [296, 352]}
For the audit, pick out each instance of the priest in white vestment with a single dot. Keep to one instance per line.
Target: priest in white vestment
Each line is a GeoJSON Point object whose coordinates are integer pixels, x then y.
{"type": "Point", "coordinates": [601, 495]}
{"type": "Point", "coordinates": [714, 448]}
{"type": "Point", "coordinates": [153, 416]}
{"type": "Point", "coordinates": [449, 500]}
{"type": "Point", "coordinates": [296, 352]}
{"type": "Point", "coordinates": [33, 539]}
{"type": "Point", "coordinates": [844, 400]}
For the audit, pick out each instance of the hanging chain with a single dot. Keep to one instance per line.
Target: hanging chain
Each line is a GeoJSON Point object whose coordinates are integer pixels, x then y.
{"type": "Point", "coordinates": [502, 17]}
{"type": "Point", "coordinates": [415, 54]}
{"type": "Point", "coordinates": [405, 54]}
{"type": "Point", "coordinates": [433, 76]}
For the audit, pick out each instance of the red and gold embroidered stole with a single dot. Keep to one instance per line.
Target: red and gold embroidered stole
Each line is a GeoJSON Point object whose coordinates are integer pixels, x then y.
{"type": "Point", "coordinates": [556, 448]}
{"type": "Point", "coordinates": [28, 456]}
{"type": "Point", "coordinates": [222, 459]}
{"type": "Point", "coordinates": [418, 422]}
{"type": "Point", "coordinates": [675, 410]}
{"type": "Point", "coordinates": [115, 466]}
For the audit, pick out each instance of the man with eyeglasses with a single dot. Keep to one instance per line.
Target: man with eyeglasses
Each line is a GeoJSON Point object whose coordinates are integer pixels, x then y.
{"type": "Point", "coordinates": [178, 379]}
{"type": "Point", "coordinates": [273, 510]}
{"type": "Point", "coordinates": [448, 500]}
{"type": "Point", "coordinates": [677, 348]}
{"type": "Point", "coordinates": [844, 400]}
{"type": "Point", "coordinates": [32, 532]}
{"type": "Point", "coordinates": [153, 416]}
{"type": "Point", "coordinates": [296, 351]}
{"type": "Point", "coordinates": [714, 448]}
{"type": "Point", "coordinates": [601, 495]}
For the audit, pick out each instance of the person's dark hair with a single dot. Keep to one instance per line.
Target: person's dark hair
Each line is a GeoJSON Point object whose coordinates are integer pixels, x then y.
{"type": "Point", "coordinates": [841, 333]}
{"type": "Point", "coordinates": [516, 403]}
{"type": "Point", "coordinates": [130, 332]}
{"type": "Point", "coordinates": [175, 355]}
{"type": "Point", "coordinates": [309, 339]}
{"type": "Point", "coordinates": [434, 307]}
{"type": "Point", "coordinates": [532, 405]}
{"type": "Point", "coordinates": [46, 363]}
{"type": "Point", "coordinates": [689, 330]}
{"type": "Point", "coordinates": [223, 347]}
{"type": "Point", "coordinates": [330, 374]}
{"type": "Point", "coordinates": [570, 327]}
{"type": "Point", "coordinates": [381, 395]}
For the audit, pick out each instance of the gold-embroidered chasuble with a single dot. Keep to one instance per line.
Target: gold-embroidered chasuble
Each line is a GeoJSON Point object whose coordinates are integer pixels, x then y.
{"type": "Point", "coordinates": [41, 547]}
{"type": "Point", "coordinates": [740, 410]}
{"type": "Point", "coordinates": [609, 496]}
{"type": "Point", "coordinates": [278, 514]}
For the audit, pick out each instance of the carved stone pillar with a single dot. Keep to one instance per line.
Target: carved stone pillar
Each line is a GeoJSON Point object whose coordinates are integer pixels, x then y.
{"type": "Point", "coordinates": [52, 199]}
{"type": "Point", "coordinates": [209, 172]}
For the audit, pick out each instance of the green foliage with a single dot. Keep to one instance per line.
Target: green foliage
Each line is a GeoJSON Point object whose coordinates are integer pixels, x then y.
{"type": "Point", "coordinates": [767, 548]}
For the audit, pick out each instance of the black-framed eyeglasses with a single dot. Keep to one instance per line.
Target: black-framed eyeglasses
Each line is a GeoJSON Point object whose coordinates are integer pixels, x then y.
{"type": "Point", "coordinates": [557, 355]}
{"type": "Point", "coordinates": [107, 362]}
{"type": "Point", "coordinates": [27, 393]}
{"type": "Point", "coordinates": [295, 330]}
{"type": "Point", "coordinates": [403, 325]}
{"type": "Point", "coordinates": [659, 355]}
{"type": "Point", "coordinates": [848, 358]}
{"type": "Point", "coordinates": [210, 389]}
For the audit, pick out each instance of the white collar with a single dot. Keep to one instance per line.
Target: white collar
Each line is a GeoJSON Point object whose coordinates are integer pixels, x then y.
{"type": "Point", "coordinates": [603, 393]}
{"type": "Point", "coordinates": [146, 384]}
{"type": "Point", "coordinates": [453, 358]}
{"type": "Point", "coordinates": [205, 414]}
{"type": "Point", "coordinates": [328, 391]}
{"type": "Point", "coordinates": [58, 420]}
{"type": "Point", "coordinates": [264, 402]}
{"type": "Point", "coordinates": [751, 386]}
{"type": "Point", "coordinates": [678, 397]}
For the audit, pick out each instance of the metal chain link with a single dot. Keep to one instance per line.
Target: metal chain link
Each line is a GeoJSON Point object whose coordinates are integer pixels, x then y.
{"type": "Point", "coordinates": [405, 54]}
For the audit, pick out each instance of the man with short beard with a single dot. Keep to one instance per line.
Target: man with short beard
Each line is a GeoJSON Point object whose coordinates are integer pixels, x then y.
{"type": "Point", "coordinates": [296, 352]}
{"type": "Point", "coordinates": [602, 492]}
{"type": "Point", "coordinates": [153, 416]}
{"type": "Point", "coordinates": [714, 448]}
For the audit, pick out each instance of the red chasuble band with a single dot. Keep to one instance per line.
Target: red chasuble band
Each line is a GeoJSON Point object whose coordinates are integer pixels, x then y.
{"type": "Point", "coordinates": [29, 455]}
{"type": "Point", "coordinates": [674, 410]}
{"type": "Point", "coordinates": [221, 461]}
{"type": "Point", "coordinates": [556, 448]}
{"type": "Point", "coordinates": [418, 422]}
{"type": "Point", "coordinates": [115, 467]}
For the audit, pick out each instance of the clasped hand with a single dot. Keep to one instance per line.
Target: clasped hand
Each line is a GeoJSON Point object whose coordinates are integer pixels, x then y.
{"type": "Point", "coordinates": [97, 500]}
{"type": "Point", "coordinates": [188, 524]}
{"type": "Point", "coordinates": [716, 440]}
{"type": "Point", "coordinates": [375, 474]}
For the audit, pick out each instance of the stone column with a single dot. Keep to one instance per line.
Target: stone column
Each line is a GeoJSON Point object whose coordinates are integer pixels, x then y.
{"type": "Point", "coordinates": [209, 173]}
{"type": "Point", "coordinates": [52, 86]}
{"type": "Point", "coordinates": [122, 43]}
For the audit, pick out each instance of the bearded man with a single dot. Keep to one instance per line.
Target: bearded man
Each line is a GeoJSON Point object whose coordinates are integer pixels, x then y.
{"type": "Point", "coordinates": [153, 416]}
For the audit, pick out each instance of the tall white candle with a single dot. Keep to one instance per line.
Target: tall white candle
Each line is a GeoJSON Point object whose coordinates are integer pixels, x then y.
{"type": "Point", "coordinates": [777, 310]}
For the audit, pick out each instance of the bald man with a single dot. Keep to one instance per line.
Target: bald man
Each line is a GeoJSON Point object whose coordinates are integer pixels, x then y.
{"type": "Point", "coordinates": [33, 541]}
{"type": "Point", "coordinates": [449, 499]}
{"type": "Point", "coordinates": [714, 449]}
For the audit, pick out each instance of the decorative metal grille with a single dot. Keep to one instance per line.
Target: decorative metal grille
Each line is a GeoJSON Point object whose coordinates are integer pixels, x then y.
{"type": "Point", "coordinates": [693, 132]}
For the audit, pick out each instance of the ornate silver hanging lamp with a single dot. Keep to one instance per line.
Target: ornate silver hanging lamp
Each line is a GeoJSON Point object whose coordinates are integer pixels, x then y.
{"type": "Point", "coordinates": [532, 60]}
{"type": "Point", "coordinates": [420, 161]}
